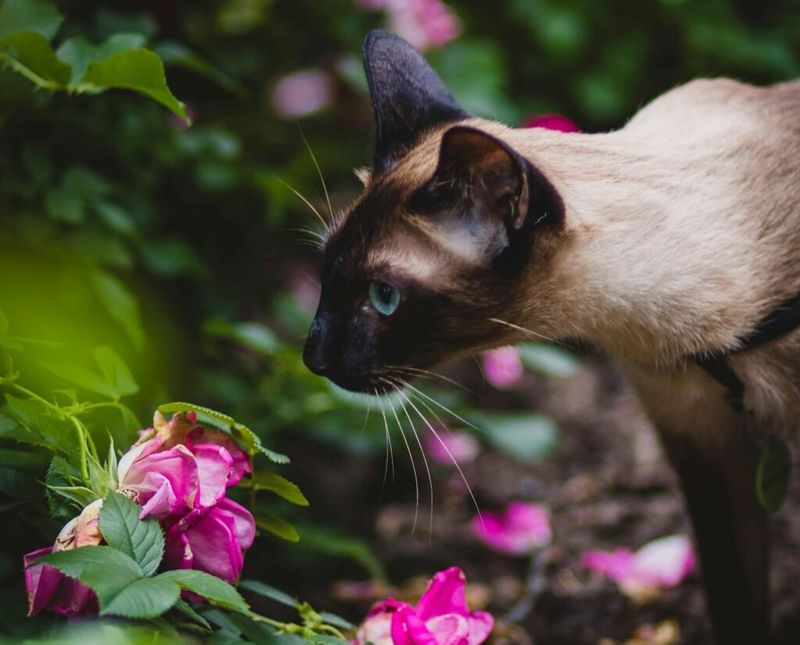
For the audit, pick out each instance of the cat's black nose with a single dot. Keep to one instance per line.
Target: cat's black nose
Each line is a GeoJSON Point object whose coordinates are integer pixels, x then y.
{"type": "Point", "coordinates": [314, 354]}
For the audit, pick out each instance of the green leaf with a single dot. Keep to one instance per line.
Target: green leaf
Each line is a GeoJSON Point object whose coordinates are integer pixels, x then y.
{"type": "Point", "coordinates": [3, 323]}
{"type": "Point", "coordinates": [244, 435]}
{"type": "Point", "coordinates": [105, 569]}
{"type": "Point", "coordinates": [79, 53]}
{"type": "Point", "coordinates": [120, 304]}
{"type": "Point", "coordinates": [31, 55]}
{"type": "Point", "coordinates": [528, 438]}
{"type": "Point", "coordinates": [29, 15]}
{"type": "Point", "coordinates": [213, 589]}
{"type": "Point", "coordinates": [548, 359]}
{"type": "Point", "coordinates": [187, 610]}
{"type": "Point", "coordinates": [174, 53]}
{"type": "Point", "coordinates": [121, 527]}
{"type": "Point", "coordinates": [773, 474]}
{"type": "Point", "coordinates": [271, 523]}
{"type": "Point", "coordinates": [143, 598]}
{"type": "Point", "coordinates": [115, 371]}
{"type": "Point", "coordinates": [336, 620]}
{"type": "Point", "coordinates": [278, 485]}
{"type": "Point", "coordinates": [81, 496]}
{"type": "Point", "coordinates": [268, 591]}
{"type": "Point", "coordinates": [253, 336]}
{"type": "Point", "coordinates": [140, 70]}
{"type": "Point", "coordinates": [82, 377]}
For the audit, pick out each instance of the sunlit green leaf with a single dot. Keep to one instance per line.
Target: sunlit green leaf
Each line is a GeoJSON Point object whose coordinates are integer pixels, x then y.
{"type": "Point", "coordinates": [120, 304]}
{"type": "Point", "coordinates": [79, 53]}
{"type": "Point", "coordinates": [115, 371]}
{"type": "Point", "coordinates": [29, 15]}
{"type": "Point", "coordinates": [31, 55]}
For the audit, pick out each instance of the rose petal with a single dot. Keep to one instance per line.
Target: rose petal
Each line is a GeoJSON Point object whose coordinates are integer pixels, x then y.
{"type": "Point", "coordinates": [243, 520]}
{"type": "Point", "coordinates": [481, 624]}
{"type": "Point", "coordinates": [551, 122]}
{"type": "Point", "coordinates": [164, 482]}
{"type": "Point", "coordinates": [444, 595]}
{"type": "Point", "coordinates": [502, 367]}
{"type": "Point", "coordinates": [519, 529]}
{"type": "Point", "coordinates": [616, 564]}
{"type": "Point", "coordinates": [215, 546]}
{"type": "Point", "coordinates": [664, 562]}
{"type": "Point", "coordinates": [241, 460]}
{"type": "Point", "coordinates": [177, 550]}
{"type": "Point", "coordinates": [409, 629]}
{"type": "Point", "coordinates": [41, 580]}
{"type": "Point", "coordinates": [450, 629]}
{"type": "Point", "coordinates": [214, 466]}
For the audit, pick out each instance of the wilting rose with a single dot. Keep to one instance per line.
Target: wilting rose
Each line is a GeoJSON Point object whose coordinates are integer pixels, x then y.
{"type": "Point", "coordinates": [302, 93]}
{"type": "Point", "coordinates": [518, 530]}
{"type": "Point", "coordinates": [658, 565]}
{"type": "Point", "coordinates": [212, 540]}
{"type": "Point", "coordinates": [46, 586]}
{"type": "Point", "coordinates": [178, 466]}
{"type": "Point", "coordinates": [448, 447]}
{"type": "Point", "coordinates": [551, 122]}
{"type": "Point", "coordinates": [502, 367]}
{"type": "Point", "coordinates": [441, 617]}
{"type": "Point", "coordinates": [423, 23]}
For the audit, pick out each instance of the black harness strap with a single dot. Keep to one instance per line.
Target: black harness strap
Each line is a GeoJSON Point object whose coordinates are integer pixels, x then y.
{"type": "Point", "coordinates": [779, 322]}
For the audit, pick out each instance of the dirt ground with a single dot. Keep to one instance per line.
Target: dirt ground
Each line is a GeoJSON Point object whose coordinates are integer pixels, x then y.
{"type": "Point", "coordinates": [606, 486]}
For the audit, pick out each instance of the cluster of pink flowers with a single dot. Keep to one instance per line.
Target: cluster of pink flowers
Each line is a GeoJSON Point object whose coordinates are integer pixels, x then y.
{"type": "Point", "coordinates": [441, 617]}
{"type": "Point", "coordinates": [423, 23]}
{"type": "Point", "coordinates": [179, 473]}
{"type": "Point", "coordinates": [641, 575]}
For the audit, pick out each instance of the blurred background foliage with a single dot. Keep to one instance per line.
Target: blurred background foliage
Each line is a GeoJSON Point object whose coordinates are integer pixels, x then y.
{"type": "Point", "coordinates": [179, 246]}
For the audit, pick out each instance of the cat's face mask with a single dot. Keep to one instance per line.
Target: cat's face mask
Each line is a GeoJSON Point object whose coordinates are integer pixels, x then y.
{"type": "Point", "coordinates": [434, 258]}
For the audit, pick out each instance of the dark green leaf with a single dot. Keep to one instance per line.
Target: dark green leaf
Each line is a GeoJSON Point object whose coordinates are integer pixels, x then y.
{"type": "Point", "coordinates": [336, 620]}
{"type": "Point", "coordinates": [271, 523]}
{"type": "Point", "coordinates": [121, 527]}
{"type": "Point", "coordinates": [187, 610]}
{"type": "Point", "coordinates": [268, 591]}
{"type": "Point", "coordinates": [29, 15]}
{"type": "Point", "coordinates": [140, 70]}
{"type": "Point", "coordinates": [31, 55]}
{"type": "Point", "coordinates": [773, 474]}
{"type": "Point", "coordinates": [278, 485]}
{"type": "Point", "coordinates": [143, 598]}
{"type": "Point", "coordinates": [528, 438]}
{"type": "Point", "coordinates": [213, 589]}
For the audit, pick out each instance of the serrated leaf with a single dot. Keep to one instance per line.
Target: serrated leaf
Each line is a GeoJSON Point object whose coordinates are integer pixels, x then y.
{"type": "Point", "coordinates": [268, 591]}
{"type": "Point", "coordinates": [29, 15]}
{"type": "Point", "coordinates": [278, 485]}
{"type": "Point", "coordinates": [140, 70]}
{"type": "Point", "coordinates": [79, 495]}
{"type": "Point", "coordinates": [528, 438]}
{"type": "Point", "coordinates": [548, 359]}
{"type": "Point", "coordinates": [773, 474]}
{"type": "Point", "coordinates": [213, 589]}
{"type": "Point", "coordinates": [115, 371]}
{"type": "Point", "coordinates": [244, 436]}
{"type": "Point", "coordinates": [121, 527]}
{"type": "Point", "coordinates": [266, 521]}
{"type": "Point", "coordinates": [143, 598]}
{"type": "Point", "coordinates": [79, 52]}
{"type": "Point", "coordinates": [30, 55]}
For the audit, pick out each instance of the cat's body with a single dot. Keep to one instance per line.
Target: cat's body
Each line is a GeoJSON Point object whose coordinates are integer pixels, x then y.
{"type": "Point", "coordinates": [671, 238]}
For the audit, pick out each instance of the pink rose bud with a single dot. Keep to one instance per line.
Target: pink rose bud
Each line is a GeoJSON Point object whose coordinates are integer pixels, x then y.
{"type": "Point", "coordinates": [658, 565]}
{"type": "Point", "coordinates": [502, 367]}
{"type": "Point", "coordinates": [520, 529]}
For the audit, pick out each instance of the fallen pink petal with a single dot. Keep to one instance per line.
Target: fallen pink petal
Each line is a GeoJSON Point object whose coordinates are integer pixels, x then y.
{"type": "Point", "coordinates": [450, 447]}
{"type": "Point", "coordinates": [520, 529]}
{"type": "Point", "coordinates": [502, 367]}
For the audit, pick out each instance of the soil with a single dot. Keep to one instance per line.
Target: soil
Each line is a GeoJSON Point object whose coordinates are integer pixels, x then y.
{"type": "Point", "coordinates": [606, 486]}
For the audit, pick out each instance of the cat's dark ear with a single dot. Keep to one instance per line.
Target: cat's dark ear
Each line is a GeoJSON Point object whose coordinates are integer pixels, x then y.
{"type": "Point", "coordinates": [408, 97]}
{"type": "Point", "coordinates": [483, 184]}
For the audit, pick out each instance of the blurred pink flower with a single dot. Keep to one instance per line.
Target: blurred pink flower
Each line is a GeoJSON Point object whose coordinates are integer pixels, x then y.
{"type": "Point", "coordinates": [423, 23]}
{"type": "Point", "coordinates": [302, 93]}
{"type": "Point", "coordinates": [520, 529]}
{"type": "Point", "coordinates": [441, 617]}
{"type": "Point", "coordinates": [304, 287]}
{"type": "Point", "coordinates": [212, 540]}
{"type": "Point", "coordinates": [551, 122]}
{"type": "Point", "coordinates": [502, 367]}
{"type": "Point", "coordinates": [46, 586]}
{"type": "Point", "coordinates": [658, 565]}
{"type": "Point", "coordinates": [449, 446]}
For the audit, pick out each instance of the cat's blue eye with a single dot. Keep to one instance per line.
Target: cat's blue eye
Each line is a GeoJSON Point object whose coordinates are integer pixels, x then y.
{"type": "Point", "coordinates": [384, 297]}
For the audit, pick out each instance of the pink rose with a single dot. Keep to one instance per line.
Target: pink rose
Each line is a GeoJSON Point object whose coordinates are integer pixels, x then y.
{"type": "Point", "coordinates": [520, 529]}
{"type": "Point", "coordinates": [423, 23]}
{"type": "Point", "coordinates": [658, 565]}
{"type": "Point", "coordinates": [502, 367]}
{"type": "Point", "coordinates": [213, 540]}
{"type": "Point", "coordinates": [46, 586]}
{"type": "Point", "coordinates": [551, 122]}
{"type": "Point", "coordinates": [441, 617]}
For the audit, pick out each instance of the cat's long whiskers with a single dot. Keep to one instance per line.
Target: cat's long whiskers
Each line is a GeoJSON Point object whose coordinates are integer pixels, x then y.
{"type": "Point", "coordinates": [530, 332]}
{"type": "Point", "coordinates": [449, 454]}
{"type": "Point", "coordinates": [413, 469]}
{"type": "Point", "coordinates": [421, 373]}
{"type": "Point", "coordinates": [307, 203]}
{"type": "Point", "coordinates": [422, 394]}
{"type": "Point", "coordinates": [319, 172]}
{"type": "Point", "coordinates": [422, 452]}
{"type": "Point", "coordinates": [389, 452]}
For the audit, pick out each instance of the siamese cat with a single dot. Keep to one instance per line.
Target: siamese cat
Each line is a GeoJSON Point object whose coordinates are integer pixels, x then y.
{"type": "Point", "coordinates": [672, 244]}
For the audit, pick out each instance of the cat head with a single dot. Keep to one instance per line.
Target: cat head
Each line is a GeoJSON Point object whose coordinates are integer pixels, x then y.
{"type": "Point", "coordinates": [442, 243]}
